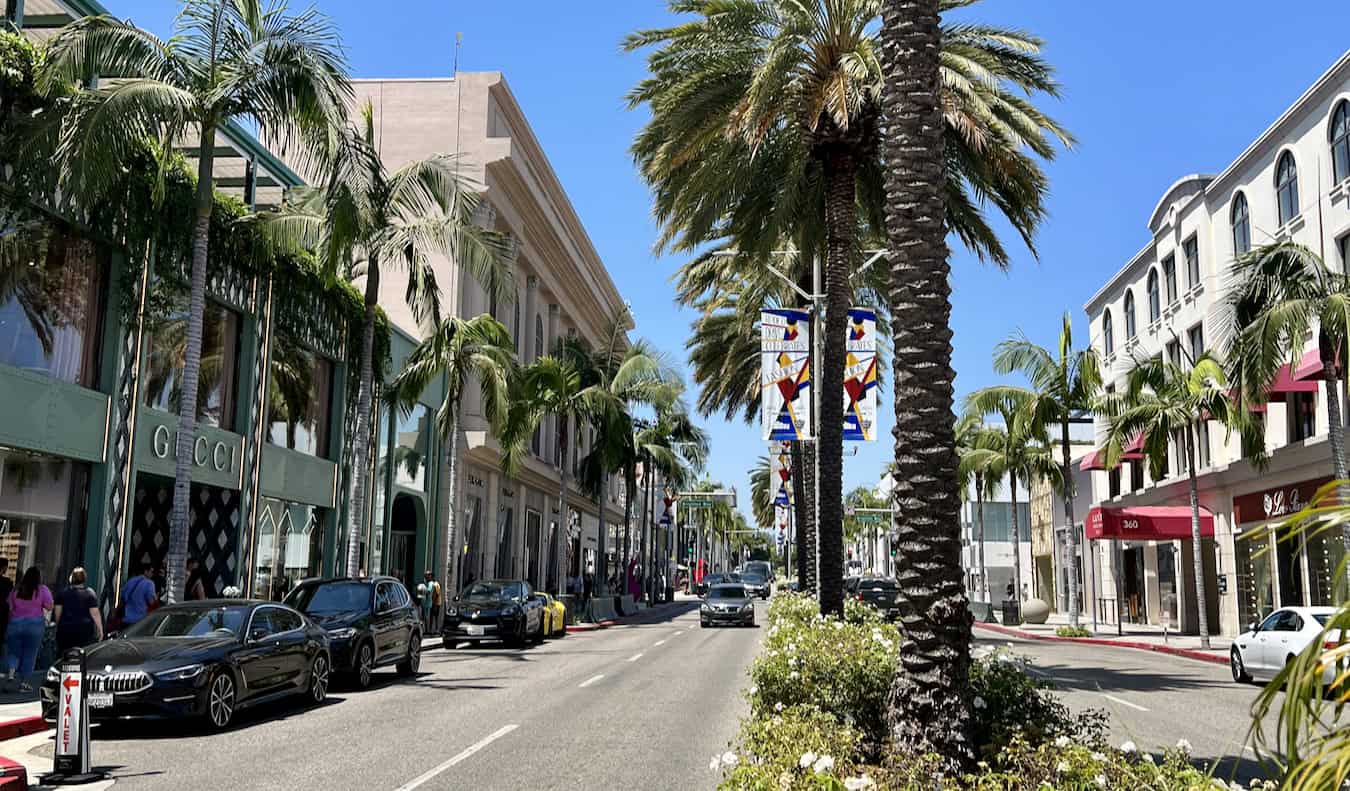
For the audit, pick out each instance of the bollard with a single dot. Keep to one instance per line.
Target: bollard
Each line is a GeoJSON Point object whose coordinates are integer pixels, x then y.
{"type": "Point", "coordinates": [71, 761]}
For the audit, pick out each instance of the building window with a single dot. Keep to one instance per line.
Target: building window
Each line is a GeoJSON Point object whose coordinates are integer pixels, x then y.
{"type": "Point", "coordinates": [1202, 444]}
{"type": "Point", "coordinates": [1302, 414]}
{"type": "Point", "coordinates": [166, 330]}
{"type": "Point", "coordinates": [1108, 335]}
{"type": "Point", "coordinates": [290, 547]}
{"type": "Point", "coordinates": [42, 518]}
{"type": "Point", "coordinates": [50, 310]}
{"type": "Point", "coordinates": [1129, 315]}
{"type": "Point", "coordinates": [1190, 249]}
{"type": "Point", "coordinates": [1286, 187]}
{"type": "Point", "coordinates": [1174, 353]}
{"type": "Point", "coordinates": [1183, 457]}
{"type": "Point", "coordinates": [1242, 225]}
{"type": "Point", "coordinates": [1340, 142]}
{"type": "Point", "coordinates": [1344, 244]}
{"type": "Point", "coordinates": [1113, 481]}
{"type": "Point", "coordinates": [1170, 275]}
{"type": "Point", "coordinates": [1195, 338]}
{"type": "Point", "coordinates": [412, 441]}
{"type": "Point", "coordinates": [299, 397]}
{"type": "Point", "coordinates": [1154, 298]}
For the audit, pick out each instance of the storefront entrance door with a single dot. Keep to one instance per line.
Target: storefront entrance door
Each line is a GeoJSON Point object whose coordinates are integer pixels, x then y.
{"type": "Point", "coordinates": [1135, 605]}
{"type": "Point", "coordinates": [1291, 573]}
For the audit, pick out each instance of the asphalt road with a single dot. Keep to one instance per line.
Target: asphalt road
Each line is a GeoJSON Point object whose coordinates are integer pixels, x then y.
{"type": "Point", "coordinates": [1153, 699]}
{"type": "Point", "coordinates": [636, 706]}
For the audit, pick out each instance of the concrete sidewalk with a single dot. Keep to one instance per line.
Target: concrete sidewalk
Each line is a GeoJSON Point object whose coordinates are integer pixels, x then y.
{"type": "Point", "coordinates": [1134, 636]}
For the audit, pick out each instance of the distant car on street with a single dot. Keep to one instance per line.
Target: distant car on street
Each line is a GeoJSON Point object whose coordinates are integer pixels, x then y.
{"type": "Point", "coordinates": [853, 568]}
{"type": "Point", "coordinates": [761, 567]}
{"type": "Point", "coordinates": [756, 584]}
{"type": "Point", "coordinates": [1263, 650]}
{"type": "Point", "coordinates": [727, 603]}
{"type": "Point", "coordinates": [718, 578]}
{"type": "Point", "coordinates": [371, 623]}
{"type": "Point", "coordinates": [207, 659]}
{"type": "Point", "coordinates": [878, 592]}
{"type": "Point", "coordinates": [504, 610]}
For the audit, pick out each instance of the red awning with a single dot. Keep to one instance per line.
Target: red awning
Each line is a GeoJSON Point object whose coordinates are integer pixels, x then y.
{"type": "Point", "coordinates": [1310, 367]}
{"type": "Point", "coordinates": [1092, 461]}
{"type": "Point", "coordinates": [1146, 523]}
{"type": "Point", "coordinates": [1288, 380]}
{"type": "Point", "coordinates": [1134, 450]}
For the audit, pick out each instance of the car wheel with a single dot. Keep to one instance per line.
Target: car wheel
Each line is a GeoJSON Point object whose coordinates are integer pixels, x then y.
{"type": "Point", "coordinates": [365, 665]}
{"type": "Point", "coordinates": [1240, 675]}
{"type": "Point", "coordinates": [220, 700]}
{"type": "Point", "coordinates": [408, 667]}
{"type": "Point", "coordinates": [318, 679]}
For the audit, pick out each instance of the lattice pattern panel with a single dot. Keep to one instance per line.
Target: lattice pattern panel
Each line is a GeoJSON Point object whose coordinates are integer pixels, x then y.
{"type": "Point", "coordinates": [312, 318]}
{"type": "Point", "coordinates": [212, 534]}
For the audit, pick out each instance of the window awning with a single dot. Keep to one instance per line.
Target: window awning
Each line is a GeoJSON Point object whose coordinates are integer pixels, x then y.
{"type": "Point", "coordinates": [1134, 449]}
{"type": "Point", "coordinates": [1296, 380]}
{"type": "Point", "coordinates": [1310, 367]}
{"type": "Point", "coordinates": [1146, 523]}
{"type": "Point", "coordinates": [1092, 461]}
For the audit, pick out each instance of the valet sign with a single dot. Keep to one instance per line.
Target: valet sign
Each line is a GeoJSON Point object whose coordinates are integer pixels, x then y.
{"type": "Point", "coordinates": [72, 718]}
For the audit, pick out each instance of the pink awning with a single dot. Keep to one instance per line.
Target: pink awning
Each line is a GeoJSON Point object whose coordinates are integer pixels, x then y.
{"type": "Point", "coordinates": [1092, 461]}
{"type": "Point", "coordinates": [1310, 367]}
{"type": "Point", "coordinates": [1146, 523]}
{"type": "Point", "coordinates": [1134, 449]}
{"type": "Point", "coordinates": [1289, 380]}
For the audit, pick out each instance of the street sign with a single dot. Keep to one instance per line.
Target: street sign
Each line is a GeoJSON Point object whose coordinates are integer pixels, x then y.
{"type": "Point", "coordinates": [696, 502]}
{"type": "Point", "coordinates": [70, 762]}
{"type": "Point", "coordinates": [864, 518]}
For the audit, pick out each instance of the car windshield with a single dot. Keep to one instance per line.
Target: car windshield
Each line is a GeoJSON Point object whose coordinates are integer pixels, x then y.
{"type": "Point", "coordinates": [488, 590]}
{"type": "Point", "coordinates": [727, 592]}
{"type": "Point", "coordinates": [752, 576]}
{"type": "Point", "coordinates": [191, 622]}
{"type": "Point", "coordinates": [331, 597]}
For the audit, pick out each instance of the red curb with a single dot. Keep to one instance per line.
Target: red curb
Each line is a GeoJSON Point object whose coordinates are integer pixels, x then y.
{"type": "Point", "coordinates": [1186, 653]}
{"type": "Point", "coordinates": [13, 775]}
{"type": "Point", "coordinates": [24, 726]}
{"type": "Point", "coordinates": [591, 627]}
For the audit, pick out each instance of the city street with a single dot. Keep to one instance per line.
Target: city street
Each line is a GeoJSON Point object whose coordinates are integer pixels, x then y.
{"type": "Point", "coordinates": [634, 706]}
{"type": "Point", "coordinates": [1153, 699]}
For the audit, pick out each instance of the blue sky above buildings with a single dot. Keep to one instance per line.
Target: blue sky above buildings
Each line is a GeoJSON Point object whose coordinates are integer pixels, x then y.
{"type": "Point", "coordinates": [1153, 91]}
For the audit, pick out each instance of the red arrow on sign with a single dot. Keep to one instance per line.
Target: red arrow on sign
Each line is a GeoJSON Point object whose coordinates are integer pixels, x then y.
{"type": "Point", "coordinates": [70, 683]}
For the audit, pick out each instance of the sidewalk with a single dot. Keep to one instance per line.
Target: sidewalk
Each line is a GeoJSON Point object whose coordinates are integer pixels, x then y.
{"type": "Point", "coordinates": [1135, 636]}
{"type": "Point", "coordinates": [643, 615]}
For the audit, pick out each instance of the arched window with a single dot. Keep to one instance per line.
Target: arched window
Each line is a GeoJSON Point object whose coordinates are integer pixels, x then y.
{"type": "Point", "coordinates": [1129, 315]}
{"type": "Point", "coordinates": [1286, 187]}
{"type": "Point", "coordinates": [1340, 142]}
{"type": "Point", "coordinates": [538, 337]}
{"type": "Point", "coordinates": [1154, 298]}
{"type": "Point", "coordinates": [1242, 225]}
{"type": "Point", "coordinates": [1108, 334]}
{"type": "Point", "coordinates": [1170, 274]}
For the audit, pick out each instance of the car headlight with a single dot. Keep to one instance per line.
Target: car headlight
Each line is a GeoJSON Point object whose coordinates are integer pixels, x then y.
{"type": "Point", "coordinates": [451, 611]}
{"type": "Point", "coordinates": [181, 673]}
{"type": "Point", "coordinates": [706, 607]}
{"type": "Point", "coordinates": [53, 675]}
{"type": "Point", "coordinates": [747, 606]}
{"type": "Point", "coordinates": [341, 634]}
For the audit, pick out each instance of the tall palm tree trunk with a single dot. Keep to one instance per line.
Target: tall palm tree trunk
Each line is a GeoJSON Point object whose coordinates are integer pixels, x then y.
{"type": "Point", "coordinates": [1071, 532]}
{"type": "Point", "coordinates": [451, 542]}
{"type": "Point", "coordinates": [645, 532]}
{"type": "Point", "coordinates": [627, 526]}
{"type": "Point", "coordinates": [799, 510]}
{"type": "Point", "coordinates": [360, 441]}
{"type": "Point", "coordinates": [181, 514]}
{"type": "Point", "coordinates": [807, 553]}
{"type": "Point", "coordinates": [840, 229]}
{"type": "Point", "coordinates": [930, 704]}
{"type": "Point", "coordinates": [1016, 546]}
{"type": "Point", "coordinates": [1336, 439]}
{"type": "Point", "coordinates": [1200, 606]}
{"type": "Point", "coordinates": [979, 526]}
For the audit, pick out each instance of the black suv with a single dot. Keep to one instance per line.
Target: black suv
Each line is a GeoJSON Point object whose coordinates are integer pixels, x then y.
{"type": "Point", "coordinates": [878, 592]}
{"type": "Point", "coordinates": [371, 622]}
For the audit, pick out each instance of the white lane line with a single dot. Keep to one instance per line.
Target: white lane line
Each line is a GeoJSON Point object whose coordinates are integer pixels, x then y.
{"type": "Point", "coordinates": [658, 643]}
{"type": "Point", "coordinates": [635, 657]}
{"type": "Point", "coordinates": [468, 751]}
{"type": "Point", "coordinates": [1115, 699]}
{"type": "Point", "coordinates": [591, 680]}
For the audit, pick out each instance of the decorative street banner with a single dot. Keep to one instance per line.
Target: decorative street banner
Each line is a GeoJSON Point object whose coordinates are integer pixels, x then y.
{"type": "Point", "coordinates": [860, 376]}
{"type": "Point", "coordinates": [780, 518]}
{"type": "Point", "coordinates": [780, 477]}
{"type": "Point", "coordinates": [785, 373]}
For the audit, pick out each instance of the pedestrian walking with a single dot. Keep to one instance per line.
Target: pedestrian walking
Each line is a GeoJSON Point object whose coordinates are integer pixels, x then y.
{"type": "Point", "coordinates": [139, 597]}
{"type": "Point", "coordinates": [29, 604]}
{"type": "Point", "coordinates": [196, 583]}
{"type": "Point", "coordinates": [78, 620]}
{"type": "Point", "coordinates": [587, 586]}
{"type": "Point", "coordinates": [432, 609]}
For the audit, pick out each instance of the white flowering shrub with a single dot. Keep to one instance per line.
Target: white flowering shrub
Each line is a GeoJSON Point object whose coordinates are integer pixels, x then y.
{"type": "Point", "coordinates": [800, 748]}
{"type": "Point", "coordinates": [1010, 704]}
{"type": "Point", "coordinates": [843, 668]}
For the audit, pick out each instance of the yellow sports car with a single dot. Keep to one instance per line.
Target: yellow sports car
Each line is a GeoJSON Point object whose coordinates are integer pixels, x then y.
{"type": "Point", "coordinates": [555, 617]}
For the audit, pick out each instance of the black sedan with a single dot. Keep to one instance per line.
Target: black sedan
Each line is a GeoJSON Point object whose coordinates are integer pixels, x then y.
{"type": "Point", "coordinates": [756, 584]}
{"type": "Point", "coordinates": [878, 592]}
{"type": "Point", "coordinates": [504, 610]}
{"type": "Point", "coordinates": [202, 659]}
{"type": "Point", "coordinates": [370, 623]}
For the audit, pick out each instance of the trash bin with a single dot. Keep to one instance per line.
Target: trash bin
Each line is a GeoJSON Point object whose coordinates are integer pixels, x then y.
{"type": "Point", "coordinates": [1011, 617]}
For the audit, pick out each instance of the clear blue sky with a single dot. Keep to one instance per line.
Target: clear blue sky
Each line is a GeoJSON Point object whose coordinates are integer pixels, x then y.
{"type": "Point", "coordinates": [1153, 90]}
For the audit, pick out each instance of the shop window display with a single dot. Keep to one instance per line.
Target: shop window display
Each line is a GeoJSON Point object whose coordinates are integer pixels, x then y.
{"type": "Point", "coordinates": [166, 333]}
{"type": "Point", "coordinates": [51, 310]}
{"type": "Point", "coordinates": [299, 397]}
{"type": "Point", "coordinates": [41, 510]}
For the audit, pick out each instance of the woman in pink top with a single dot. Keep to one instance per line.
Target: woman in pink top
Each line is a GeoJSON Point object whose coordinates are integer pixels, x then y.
{"type": "Point", "coordinates": [29, 604]}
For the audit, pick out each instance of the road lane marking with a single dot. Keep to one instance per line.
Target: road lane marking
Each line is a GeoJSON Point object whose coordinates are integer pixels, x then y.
{"type": "Point", "coordinates": [468, 751]}
{"type": "Point", "coordinates": [659, 643]}
{"type": "Point", "coordinates": [591, 680]}
{"type": "Point", "coordinates": [1115, 699]}
{"type": "Point", "coordinates": [635, 657]}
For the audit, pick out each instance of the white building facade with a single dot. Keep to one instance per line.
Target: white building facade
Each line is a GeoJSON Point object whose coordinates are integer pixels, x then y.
{"type": "Point", "coordinates": [1291, 183]}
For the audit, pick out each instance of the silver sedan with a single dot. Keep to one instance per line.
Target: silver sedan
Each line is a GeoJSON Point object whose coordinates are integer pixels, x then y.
{"type": "Point", "coordinates": [727, 603]}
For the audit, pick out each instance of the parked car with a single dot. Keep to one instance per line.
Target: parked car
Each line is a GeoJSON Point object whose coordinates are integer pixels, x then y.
{"type": "Point", "coordinates": [555, 615]}
{"type": "Point", "coordinates": [371, 623]}
{"type": "Point", "coordinates": [727, 603]}
{"type": "Point", "coordinates": [878, 592]}
{"type": "Point", "coordinates": [853, 568]}
{"type": "Point", "coordinates": [756, 584]}
{"type": "Point", "coordinates": [1263, 650]}
{"type": "Point", "coordinates": [709, 580]}
{"type": "Point", "coordinates": [504, 610]}
{"type": "Point", "coordinates": [206, 659]}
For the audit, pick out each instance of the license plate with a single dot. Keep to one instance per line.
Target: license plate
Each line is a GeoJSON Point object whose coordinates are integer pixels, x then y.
{"type": "Point", "coordinates": [100, 700]}
{"type": "Point", "coordinates": [474, 630]}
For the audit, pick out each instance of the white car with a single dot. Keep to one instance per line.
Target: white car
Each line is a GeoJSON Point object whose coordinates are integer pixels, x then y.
{"type": "Point", "coordinates": [1263, 650]}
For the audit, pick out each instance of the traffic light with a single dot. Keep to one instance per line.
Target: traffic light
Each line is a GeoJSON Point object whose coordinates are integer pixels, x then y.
{"type": "Point", "coordinates": [892, 551]}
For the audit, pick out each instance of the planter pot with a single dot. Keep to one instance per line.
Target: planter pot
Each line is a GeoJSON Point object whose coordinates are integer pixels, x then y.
{"type": "Point", "coordinates": [1035, 611]}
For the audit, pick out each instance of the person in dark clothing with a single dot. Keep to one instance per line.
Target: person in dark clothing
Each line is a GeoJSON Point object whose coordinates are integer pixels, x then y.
{"type": "Point", "coordinates": [6, 587]}
{"type": "Point", "coordinates": [78, 620]}
{"type": "Point", "coordinates": [588, 585]}
{"type": "Point", "coordinates": [196, 581]}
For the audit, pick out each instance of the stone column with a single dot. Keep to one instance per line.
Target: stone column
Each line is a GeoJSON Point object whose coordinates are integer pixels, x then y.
{"type": "Point", "coordinates": [550, 439]}
{"type": "Point", "coordinates": [492, 524]}
{"type": "Point", "coordinates": [528, 350]}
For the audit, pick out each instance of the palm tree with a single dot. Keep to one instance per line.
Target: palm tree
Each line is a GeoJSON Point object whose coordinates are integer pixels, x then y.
{"type": "Point", "coordinates": [459, 352]}
{"type": "Point", "coordinates": [1282, 293]}
{"type": "Point", "coordinates": [228, 61]}
{"type": "Point", "coordinates": [364, 219]}
{"type": "Point", "coordinates": [1163, 400]}
{"type": "Point", "coordinates": [762, 489]}
{"type": "Point", "coordinates": [1062, 383]}
{"type": "Point", "coordinates": [764, 128]}
{"type": "Point", "coordinates": [674, 448]}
